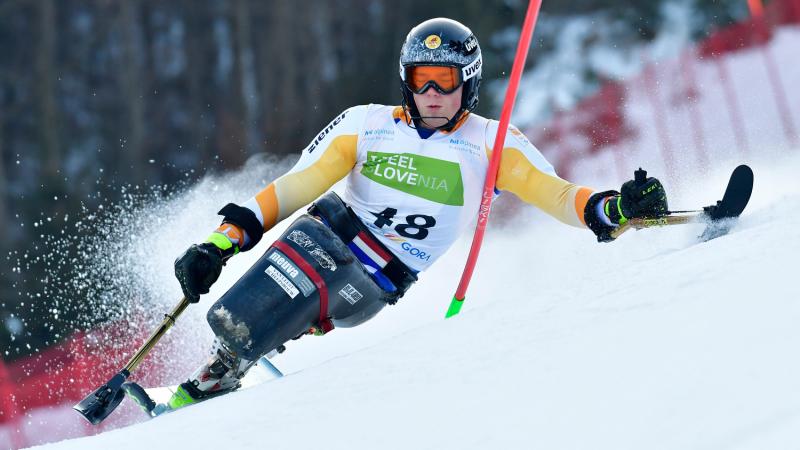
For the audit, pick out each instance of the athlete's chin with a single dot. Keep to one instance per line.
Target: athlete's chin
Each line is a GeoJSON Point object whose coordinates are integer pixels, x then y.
{"type": "Point", "coordinates": [433, 117]}
{"type": "Point", "coordinates": [433, 122]}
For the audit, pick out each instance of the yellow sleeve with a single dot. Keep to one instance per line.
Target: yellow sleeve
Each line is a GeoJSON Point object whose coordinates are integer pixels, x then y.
{"type": "Point", "coordinates": [329, 157]}
{"type": "Point", "coordinates": [326, 160]}
{"type": "Point", "coordinates": [557, 197]}
{"type": "Point", "coordinates": [293, 190]}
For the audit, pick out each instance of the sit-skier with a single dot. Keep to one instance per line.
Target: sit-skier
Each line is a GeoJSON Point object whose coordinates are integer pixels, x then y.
{"type": "Point", "coordinates": [414, 183]}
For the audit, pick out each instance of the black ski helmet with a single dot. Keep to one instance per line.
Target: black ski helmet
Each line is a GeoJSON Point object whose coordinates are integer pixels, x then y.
{"type": "Point", "coordinates": [444, 42]}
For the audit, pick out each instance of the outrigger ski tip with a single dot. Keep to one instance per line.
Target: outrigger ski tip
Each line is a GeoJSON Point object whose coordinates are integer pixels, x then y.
{"type": "Point", "coordinates": [100, 403]}
{"type": "Point", "coordinates": [736, 197]}
{"type": "Point", "coordinates": [723, 214]}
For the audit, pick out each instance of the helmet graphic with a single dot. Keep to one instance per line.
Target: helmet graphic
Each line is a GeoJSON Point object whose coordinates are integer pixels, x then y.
{"type": "Point", "coordinates": [442, 42]}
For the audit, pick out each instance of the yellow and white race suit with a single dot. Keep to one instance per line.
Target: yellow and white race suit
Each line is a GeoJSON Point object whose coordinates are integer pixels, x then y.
{"type": "Point", "coordinates": [416, 195]}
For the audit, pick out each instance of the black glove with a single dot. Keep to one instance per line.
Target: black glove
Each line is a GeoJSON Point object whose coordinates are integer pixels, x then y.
{"type": "Point", "coordinates": [197, 269]}
{"type": "Point", "coordinates": [640, 197]}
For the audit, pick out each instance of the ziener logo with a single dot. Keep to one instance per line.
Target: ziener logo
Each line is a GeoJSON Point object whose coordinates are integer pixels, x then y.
{"type": "Point", "coordinates": [325, 132]}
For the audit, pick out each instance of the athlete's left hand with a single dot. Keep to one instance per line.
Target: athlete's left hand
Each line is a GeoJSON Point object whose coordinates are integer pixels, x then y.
{"type": "Point", "coordinates": [640, 197]}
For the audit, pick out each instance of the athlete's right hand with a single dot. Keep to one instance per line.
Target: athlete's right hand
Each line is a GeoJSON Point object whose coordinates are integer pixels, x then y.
{"type": "Point", "coordinates": [197, 269]}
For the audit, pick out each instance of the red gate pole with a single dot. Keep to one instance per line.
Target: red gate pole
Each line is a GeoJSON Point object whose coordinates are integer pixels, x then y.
{"type": "Point", "coordinates": [756, 8]}
{"type": "Point", "coordinates": [491, 174]}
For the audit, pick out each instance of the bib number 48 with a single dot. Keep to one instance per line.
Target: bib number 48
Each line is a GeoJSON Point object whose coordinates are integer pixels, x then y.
{"type": "Point", "coordinates": [416, 226]}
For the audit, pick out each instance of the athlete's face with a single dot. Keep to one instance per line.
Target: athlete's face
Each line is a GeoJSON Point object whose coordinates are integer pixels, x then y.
{"type": "Point", "coordinates": [441, 106]}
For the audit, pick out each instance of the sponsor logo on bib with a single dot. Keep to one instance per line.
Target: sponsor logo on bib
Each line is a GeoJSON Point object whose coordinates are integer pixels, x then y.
{"type": "Point", "coordinates": [429, 178]}
{"type": "Point", "coordinates": [464, 145]}
{"type": "Point", "coordinates": [384, 134]}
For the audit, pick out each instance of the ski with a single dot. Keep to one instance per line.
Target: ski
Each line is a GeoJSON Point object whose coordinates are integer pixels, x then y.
{"type": "Point", "coordinates": [719, 217]}
{"type": "Point", "coordinates": [155, 401]}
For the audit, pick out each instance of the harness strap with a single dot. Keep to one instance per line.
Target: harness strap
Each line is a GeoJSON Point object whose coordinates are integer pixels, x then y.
{"type": "Point", "coordinates": [346, 224]}
{"type": "Point", "coordinates": [324, 322]}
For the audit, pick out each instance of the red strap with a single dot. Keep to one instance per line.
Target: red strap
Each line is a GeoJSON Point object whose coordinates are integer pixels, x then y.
{"type": "Point", "coordinates": [309, 270]}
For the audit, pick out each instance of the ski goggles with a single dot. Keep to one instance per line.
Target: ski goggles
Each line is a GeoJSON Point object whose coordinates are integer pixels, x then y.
{"type": "Point", "coordinates": [445, 79]}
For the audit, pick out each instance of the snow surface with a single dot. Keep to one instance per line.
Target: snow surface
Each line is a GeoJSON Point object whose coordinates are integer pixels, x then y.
{"type": "Point", "coordinates": [653, 341]}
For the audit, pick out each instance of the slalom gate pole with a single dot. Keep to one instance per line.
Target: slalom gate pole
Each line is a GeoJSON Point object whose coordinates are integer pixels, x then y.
{"type": "Point", "coordinates": [494, 163]}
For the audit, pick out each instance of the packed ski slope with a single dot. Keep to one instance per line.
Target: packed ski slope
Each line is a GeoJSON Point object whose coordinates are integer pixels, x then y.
{"type": "Point", "coordinates": [653, 341]}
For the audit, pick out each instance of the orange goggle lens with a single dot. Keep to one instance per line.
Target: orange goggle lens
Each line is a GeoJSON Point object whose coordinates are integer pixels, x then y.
{"type": "Point", "coordinates": [442, 78]}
